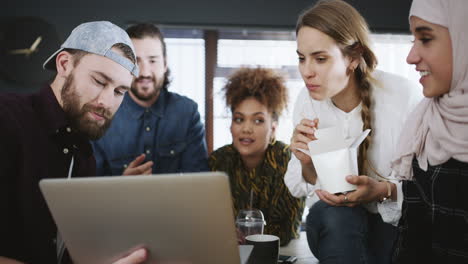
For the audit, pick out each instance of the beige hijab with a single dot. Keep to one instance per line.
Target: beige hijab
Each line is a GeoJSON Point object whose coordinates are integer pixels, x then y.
{"type": "Point", "coordinates": [437, 130]}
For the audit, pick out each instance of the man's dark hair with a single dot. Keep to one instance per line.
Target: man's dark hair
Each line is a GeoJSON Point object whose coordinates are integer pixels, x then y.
{"type": "Point", "coordinates": [148, 30]}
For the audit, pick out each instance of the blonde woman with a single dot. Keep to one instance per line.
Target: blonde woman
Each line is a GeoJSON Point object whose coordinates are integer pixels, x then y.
{"type": "Point", "coordinates": [342, 88]}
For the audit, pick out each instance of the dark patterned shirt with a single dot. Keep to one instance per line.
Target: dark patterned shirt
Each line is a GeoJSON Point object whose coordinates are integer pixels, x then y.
{"type": "Point", "coordinates": [281, 210]}
{"type": "Point", "coordinates": [434, 223]}
{"type": "Point", "coordinates": [35, 143]}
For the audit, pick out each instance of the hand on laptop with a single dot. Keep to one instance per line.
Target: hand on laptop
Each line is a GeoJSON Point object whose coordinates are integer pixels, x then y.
{"type": "Point", "coordinates": [138, 256]}
{"type": "Point", "coordinates": [136, 168]}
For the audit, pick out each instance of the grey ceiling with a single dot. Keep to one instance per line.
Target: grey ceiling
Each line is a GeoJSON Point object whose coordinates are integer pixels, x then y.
{"type": "Point", "coordinates": [382, 15]}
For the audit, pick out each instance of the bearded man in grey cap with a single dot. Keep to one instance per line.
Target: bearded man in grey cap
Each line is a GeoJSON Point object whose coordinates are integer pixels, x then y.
{"type": "Point", "coordinates": [46, 135]}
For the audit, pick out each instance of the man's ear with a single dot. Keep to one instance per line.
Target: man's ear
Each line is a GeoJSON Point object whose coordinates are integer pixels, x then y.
{"type": "Point", "coordinates": [64, 63]}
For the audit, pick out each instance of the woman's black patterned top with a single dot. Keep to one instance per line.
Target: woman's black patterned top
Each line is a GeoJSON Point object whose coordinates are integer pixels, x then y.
{"type": "Point", "coordinates": [281, 210]}
{"type": "Point", "coordinates": [434, 222]}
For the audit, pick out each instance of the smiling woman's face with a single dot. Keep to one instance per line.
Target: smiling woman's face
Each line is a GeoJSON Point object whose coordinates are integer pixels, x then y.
{"type": "Point", "coordinates": [432, 55]}
{"type": "Point", "coordinates": [252, 128]}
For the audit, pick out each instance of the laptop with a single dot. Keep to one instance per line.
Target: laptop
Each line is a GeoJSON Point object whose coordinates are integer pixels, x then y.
{"type": "Point", "coordinates": [179, 218]}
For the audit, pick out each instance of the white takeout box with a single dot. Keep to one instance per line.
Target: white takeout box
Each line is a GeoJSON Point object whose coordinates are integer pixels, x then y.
{"type": "Point", "coordinates": [334, 158]}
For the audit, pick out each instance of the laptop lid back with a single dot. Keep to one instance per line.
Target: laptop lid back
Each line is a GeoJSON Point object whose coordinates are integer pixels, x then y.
{"type": "Point", "coordinates": [179, 218]}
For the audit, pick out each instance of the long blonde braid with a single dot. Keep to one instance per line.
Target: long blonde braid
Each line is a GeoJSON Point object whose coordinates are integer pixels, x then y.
{"type": "Point", "coordinates": [347, 27]}
{"type": "Point", "coordinates": [366, 115]}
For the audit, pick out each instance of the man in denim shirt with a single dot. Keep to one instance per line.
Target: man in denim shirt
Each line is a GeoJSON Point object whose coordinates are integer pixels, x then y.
{"type": "Point", "coordinates": [154, 130]}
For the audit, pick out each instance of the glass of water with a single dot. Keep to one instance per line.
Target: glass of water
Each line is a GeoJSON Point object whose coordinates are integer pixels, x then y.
{"type": "Point", "coordinates": [249, 222]}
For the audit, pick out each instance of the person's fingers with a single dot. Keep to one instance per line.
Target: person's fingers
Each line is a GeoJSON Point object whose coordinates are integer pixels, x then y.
{"type": "Point", "coordinates": [305, 129]}
{"type": "Point", "coordinates": [305, 138]}
{"type": "Point", "coordinates": [336, 199]}
{"type": "Point", "coordinates": [316, 121]}
{"type": "Point", "coordinates": [148, 164]}
{"type": "Point", "coordinates": [330, 202]}
{"type": "Point", "coordinates": [348, 200]}
{"type": "Point", "coordinates": [356, 196]}
{"type": "Point", "coordinates": [137, 161]}
{"type": "Point", "coordinates": [302, 139]}
{"type": "Point", "coordinates": [312, 123]}
{"type": "Point", "coordinates": [307, 132]}
{"type": "Point", "coordinates": [136, 257]}
{"type": "Point", "coordinates": [323, 196]}
{"type": "Point", "coordinates": [320, 196]}
{"type": "Point", "coordinates": [148, 171]}
{"type": "Point", "coordinates": [308, 122]}
{"type": "Point", "coordinates": [358, 180]}
{"type": "Point", "coordinates": [352, 179]}
{"type": "Point", "coordinates": [142, 169]}
{"type": "Point", "coordinates": [304, 125]}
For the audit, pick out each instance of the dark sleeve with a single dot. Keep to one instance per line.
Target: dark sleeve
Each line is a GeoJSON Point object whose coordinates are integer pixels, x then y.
{"type": "Point", "coordinates": [102, 163]}
{"type": "Point", "coordinates": [195, 156]}
{"type": "Point", "coordinates": [9, 171]}
{"type": "Point", "coordinates": [286, 210]}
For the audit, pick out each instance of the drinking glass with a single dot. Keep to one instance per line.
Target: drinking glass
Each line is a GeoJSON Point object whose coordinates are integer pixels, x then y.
{"type": "Point", "coordinates": [249, 222]}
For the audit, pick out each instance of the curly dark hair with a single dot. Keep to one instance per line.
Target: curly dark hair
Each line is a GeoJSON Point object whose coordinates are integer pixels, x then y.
{"type": "Point", "coordinates": [265, 85]}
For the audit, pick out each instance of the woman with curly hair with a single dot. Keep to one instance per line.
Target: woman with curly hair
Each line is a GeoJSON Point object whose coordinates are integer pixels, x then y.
{"type": "Point", "coordinates": [255, 161]}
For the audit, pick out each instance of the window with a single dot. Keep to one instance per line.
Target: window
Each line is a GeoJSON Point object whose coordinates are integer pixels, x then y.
{"type": "Point", "coordinates": [273, 49]}
{"type": "Point", "coordinates": [391, 51]}
{"type": "Point", "coordinates": [276, 54]}
{"type": "Point", "coordinates": [186, 60]}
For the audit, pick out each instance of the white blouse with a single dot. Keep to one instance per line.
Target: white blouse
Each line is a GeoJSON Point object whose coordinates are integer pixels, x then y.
{"type": "Point", "coordinates": [393, 98]}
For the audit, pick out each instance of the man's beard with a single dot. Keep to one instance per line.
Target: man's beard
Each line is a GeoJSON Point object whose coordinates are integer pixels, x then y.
{"type": "Point", "coordinates": [77, 117]}
{"type": "Point", "coordinates": [156, 89]}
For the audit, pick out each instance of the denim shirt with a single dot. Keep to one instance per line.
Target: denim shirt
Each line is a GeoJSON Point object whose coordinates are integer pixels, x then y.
{"type": "Point", "coordinates": [169, 132]}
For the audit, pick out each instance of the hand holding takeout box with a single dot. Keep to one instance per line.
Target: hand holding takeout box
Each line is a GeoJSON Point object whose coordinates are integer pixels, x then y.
{"type": "Point", "coordinates": [335, 157]}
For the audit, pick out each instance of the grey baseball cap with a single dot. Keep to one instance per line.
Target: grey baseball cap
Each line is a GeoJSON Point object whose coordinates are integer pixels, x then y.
{"type": "Point", "coordinates": [98, 38]}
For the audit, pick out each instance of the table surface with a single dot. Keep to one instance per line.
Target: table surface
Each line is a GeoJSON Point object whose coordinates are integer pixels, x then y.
{"type": "Point", "coordinates": [300, 249]}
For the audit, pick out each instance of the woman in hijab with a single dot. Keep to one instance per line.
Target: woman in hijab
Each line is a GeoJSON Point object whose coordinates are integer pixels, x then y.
{"type": "Point", "coordinates": [432, 156]}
